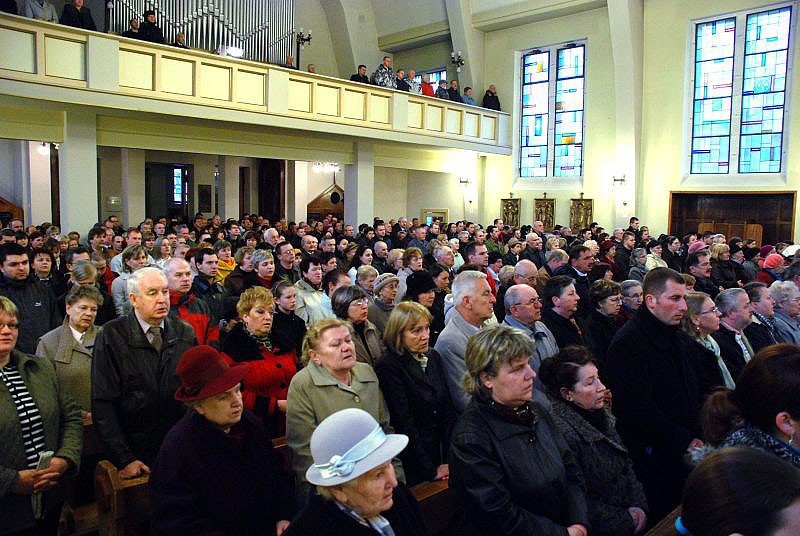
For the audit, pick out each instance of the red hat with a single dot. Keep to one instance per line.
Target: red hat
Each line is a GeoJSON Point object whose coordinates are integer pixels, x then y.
{"type": "Point", "coordinates": [203, 373]}
{"type": "Point", "coordinates": [772, 261]}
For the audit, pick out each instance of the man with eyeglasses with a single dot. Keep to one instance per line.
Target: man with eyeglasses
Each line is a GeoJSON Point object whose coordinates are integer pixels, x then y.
{"type": "Point", "coordinates": [523, 310]}
{"type": "Point", "coordinates": [734, 346]}
{"type": "Point", "coordinates": [761, 331]}
{"type": "Point", "coordinates": [524, 274]}
{"type": "Point", "coordinates": [38, 309]}
{"type": "Point", "coordinates": [581, 260]}
{"type": "Point", "coordinates": [698, 264]}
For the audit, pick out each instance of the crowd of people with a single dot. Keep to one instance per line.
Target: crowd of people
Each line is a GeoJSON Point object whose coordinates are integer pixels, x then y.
{"type": "Point", "coordinates": [562, 382]}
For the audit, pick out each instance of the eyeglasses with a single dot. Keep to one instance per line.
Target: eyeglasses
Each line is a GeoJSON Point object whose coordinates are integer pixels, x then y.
{"type": "Point", "coordinates": [712, 310]}
{"type": "Point", "coordinates": [614, 299]}
{"type": "Point", "coordinates": [532, 301]}
{"type": "Point", "coordinates": [527, 277]}
{"type": "Point", "coordinates": [360, 303]}
{"type": "Point", "coordinates": [13, 326]}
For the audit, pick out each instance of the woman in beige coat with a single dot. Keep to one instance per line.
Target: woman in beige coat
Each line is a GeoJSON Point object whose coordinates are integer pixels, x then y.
{"type": "Point", "coordinates": [331, 380]}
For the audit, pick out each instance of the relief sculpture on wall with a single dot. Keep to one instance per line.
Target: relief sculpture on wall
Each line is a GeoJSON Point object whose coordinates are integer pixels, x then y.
{"type": "Point", "coordinates": [580, 213]}
{"type": "Point", "coordinates": [545, 211]}
{"type": "Point", "coordinates": [510, 209]}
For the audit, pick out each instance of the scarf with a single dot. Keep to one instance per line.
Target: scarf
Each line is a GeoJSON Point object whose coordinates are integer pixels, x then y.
{"type": "Point", "coordinates": [596, 418]}
{"type": "Point", "coordinates": [523, 415]}
{"type": "Point", "coordinates": [262, 340]}
{"type": "Point", "coordinates": [751, 436]}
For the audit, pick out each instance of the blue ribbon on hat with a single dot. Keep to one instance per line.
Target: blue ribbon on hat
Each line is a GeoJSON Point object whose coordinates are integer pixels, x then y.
{"type": "Point", "coordinates": [680, 527]}
{"type": "Point", "coordinates": [343, 465]}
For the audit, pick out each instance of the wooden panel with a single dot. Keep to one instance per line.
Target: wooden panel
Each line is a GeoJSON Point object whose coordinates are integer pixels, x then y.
{"type": "Point", "coordinates": [65, 59]}
{"type": "Point", "coordinates": [24, 46]}
{"type": "Point", "coordinates": [136, 69]}
{"type": "Point", "coordinates": [415, 114]}
{"type": "Point", "coordinates": [177, 76]}
{"type": "Point", "coordinates": [251, 88]}
{"type": "Point", "coordinates": [355, 105]}
{"type": "Point", "coordinates": [327, 100]}
{"type": "Point", "coordinates": [471, 124]}
{"type": "Point", "coordinates": [215, 82]}
{"type": "Point", "coordinates": [434, 117]}
{"type": "Point", "coordinates": [378, 109]}
{"type": "Point", "coordinates": [733, 212]}
{"type": "Point", "coordinates": [488, 127]}
{"type": "Point", "coordinates": [299, 95]}
{"type": "Point", "coordinates": [454, 121]}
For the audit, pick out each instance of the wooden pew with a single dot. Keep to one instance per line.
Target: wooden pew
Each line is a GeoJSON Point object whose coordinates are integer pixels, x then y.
{"type": "Point", "coordinates": [437, 503]}
{"type": "Point", "coordinates": [666, 527]}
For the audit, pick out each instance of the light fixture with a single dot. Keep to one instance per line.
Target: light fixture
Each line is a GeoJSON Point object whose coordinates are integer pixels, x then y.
{"type": "Point", "coordinates": [43, 149]}
{"type": "Point", "coordinates": [621, 180]}
{"type": "Point", "coordinates": [463, 180]}
{"type": "Point", "coordinates": [216, 171]}
{"type": "Point", "coordinates": [457, 59]}
{"type": "Point", "coordinates": [327, 167]}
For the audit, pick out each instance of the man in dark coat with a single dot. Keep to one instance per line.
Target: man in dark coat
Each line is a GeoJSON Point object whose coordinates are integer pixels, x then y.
{"type": "Point", "coordinates": [699, 265]}
{"type": "Point", "coordinates": [150, 30]}
{"type": "Point", "coordinates": [78, 16]}
{"type": "Point", "coordinates": [9, 6]}
{"type": "Point", "coordinates": [133, 375]}
{"type": "Point", "coordinates": [38, 307]}
{"type": "Point", "coordinates": [581, 260]}
{"type": "Point", "coordinates": [534, 250]}
{"type": "Point", "coordinates": [657, 396]}
{"type": "Point", "coordinates": [490, 99]}
{"type": "Point", "coordinates": [361, 75]}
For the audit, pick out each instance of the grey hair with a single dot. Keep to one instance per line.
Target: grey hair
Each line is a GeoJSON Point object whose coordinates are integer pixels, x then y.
{"type": "Point", "coordinates": [364, 271]}
{"type": "Point", "coordinates": [384, 244]}
{"type": "Point", "coordinates": [136, 277]}
{"type": "Point", "coordinates": [464, 234]}
{"type": "Point", "coordinates": [559, 253]}
{"type": "Point", "coordinates": [629, 284]}
{"type": "Point", "coordinates": [169, 266]}
{"type": "Point", "coordinates": [488, 350]}
{"type": "Point", "coordinates": [726, 300]}
{"type": "Point", "coordinates": [464, 283]}
{"type": "Point", "coordinates": [83, 270]}
{"type": "Point", "coordinates": [637, 252]}
{"type": "Point", "coordinates": [259, 256]}
{"type": "Point", "coordinates": [440, 251]}
{"type": "Point", "coordinates": [782, 291]}
{"type": "Point", "coordinates": [530, 236]}
{"type": "Point", "coordinates": [80, 292]}
{"type": "Point", "coordinates": [512, 296]}
{"type": "Point", "coordinates": [506, 274]}
{"type": "Point", "coordinates": [343, 297]}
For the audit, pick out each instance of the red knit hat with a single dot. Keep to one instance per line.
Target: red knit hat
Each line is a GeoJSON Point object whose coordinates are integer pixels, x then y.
{"type": "Point", "coordinates": [772, 261]}
{"type": "Point", "coordinates": [203, 373]}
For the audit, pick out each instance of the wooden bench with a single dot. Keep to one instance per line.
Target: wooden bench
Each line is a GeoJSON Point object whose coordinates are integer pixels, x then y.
{"type": "Point", "coordinates": [666, 527]}
{"type": "Point", "coordinates": [123, 506]}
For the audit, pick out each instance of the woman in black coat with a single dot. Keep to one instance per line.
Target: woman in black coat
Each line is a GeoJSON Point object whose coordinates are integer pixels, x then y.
{"type": "Point", "coordinates": [724, 271]}
{"type": "Point", "coordinates": [602, 324]}
{"type": "Point", "coordinates": [413, 384]}
{"type": "Point", "coordinates": [616, 500]}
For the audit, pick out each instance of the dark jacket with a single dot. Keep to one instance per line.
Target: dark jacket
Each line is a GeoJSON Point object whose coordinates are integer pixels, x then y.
{"type": "Point", "coordinates": [673, 261]}
{"type": "Point", "coordinates": [581, 287]}
{"type": "Point", "coordinates": [611, 484]}
{"type": "Point", "coordinates": [491, 101]}
{"type": "Point", "coordinates": [536, 256]}
{"type": "Point", "coordinates": [151, 32]}
{"type": "Point", "coordinates": [9, 6]}
{"type": "Point", "coordinates": [730, 350]}
{"type": "Point", "coordinates": [759, 334]}
{"type": "Point", "coordinates": [78, 19]}
{"type": "Point", "coordinates": [238, 281]}
{"type": "Point", "coordinates": [724, 273]}
{"type": "Point", "coordinates": [204, 483]}
{"type": "Point", "coordinates": [133, 387]}
{"type": "Point", "coordinates": [358, 78]}
{"type": "Point", "coordinates": [288, 331]}
{"type": "Point", "coordinates": [419, 407]}
{"type": "Point", "coordinates": [705, 284]}
{"type": "Point", "coordinates": [623, 258]}
{"type": "Point", "coordinates": [657, 401]}
{"type": "Point", "coordinates": [63, 434]}
{"type": "Point", "coordinates": [514, 479]}
{"type": "Point", "coordinates": [601, 330]}
{"type": "Point", "coordinates": [563, 330]}
{"type": "Point", "coordinates": [38, 310]}
{"type": "Point", "coordinates": [323, 518]}
{"type": "Point", "coordinates": [455, 96]}
{"type": "Point", "coordinates": [221, 305]}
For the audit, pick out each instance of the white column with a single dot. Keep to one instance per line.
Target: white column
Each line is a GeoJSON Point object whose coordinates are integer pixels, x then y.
{"type": "Point", "coordinates": [38, 198]}
{"type": "Point", "coordinates": [133, 192]}
{"type": "Point", "coordinates": [626, 22]}
{"type": "Point", "coordinates": [359, 186]}
{"type": "Point", "coordinates": [229, 187]}
{"type": "Point", "coordinates": [469, 41]}
{"type": "Point", "coordinates": [296, 190]}
{"type": "Point", "coordinates": [77, 159]}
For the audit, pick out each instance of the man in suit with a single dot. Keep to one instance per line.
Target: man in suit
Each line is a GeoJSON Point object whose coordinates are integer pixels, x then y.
{"type": "Point", "coordinates": [737, 313]}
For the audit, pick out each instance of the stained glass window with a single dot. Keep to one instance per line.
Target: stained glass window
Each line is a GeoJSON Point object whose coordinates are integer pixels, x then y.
{"type": "Point", "coordinates": [763, 90]}
{"type": "Point", "coordinates": [740, 121]}
{"type": "Point", "coordinates": [551, 142]}
{"type": "Point", "coordinates": [713, 96]}
{"type": "Point", "coordinates": [177, 185]}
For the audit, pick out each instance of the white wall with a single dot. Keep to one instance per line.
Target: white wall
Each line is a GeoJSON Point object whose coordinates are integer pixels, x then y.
{"type": "Point", "coordinates": [40, 206]}
{"type": "Point", "coordinates": [310, 15]}
{"type": "Point", "coordinates": [392, 16]}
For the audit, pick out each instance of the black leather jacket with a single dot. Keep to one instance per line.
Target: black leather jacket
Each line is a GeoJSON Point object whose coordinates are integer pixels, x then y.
{"type": "Point", "coordinates": [133, 387]}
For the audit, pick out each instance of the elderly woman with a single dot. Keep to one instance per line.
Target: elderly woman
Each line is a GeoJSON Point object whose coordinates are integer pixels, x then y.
{"type": "Point", "coordinates": [510, 468]}
{"type": "Point", "coordinates": [69, 347]}
{"type": "Point", "coordinates": [351, 303]}
{"type": "Point", "coordinates": [133, 258]}
{"type": "Point", "coordinates": [725, 272]}
{"type": "Point", "coordinates": [615, 497]}
{"type": "Point", "coordinates": [243, 276]}
{"type": "Point", "coordinates": [332, 379]}
{"type": "Point", "coordinates": [699, 322]}
{"type": "Point", "coordinates": [413, 382]}
{"type": "Point", "coordinates": [761, 412]}
{"type": "Point", "coordinates": [787, 311]}
{"type": "Point", "coordinates": [215, 472]}
{"type": "Point", "coordinates": [412, 262]}
{"type": "Point", "coordinates": [37, 416]}
{"type": "Point", "coordinates": [385, 292]}
{"type": "Point", "coordinates": [357, 489]}
{"type": "Point", "coordinates": [654, 259]}
{"type": "Point", "coordinates": [638, 266]}
{"type": "Point", "coordinates": [271, 368]}
{"type": "Point", "coordinates": [602, 323]}
{"type": "Point", "coordinates": [365, 280]}
{"type": "Point", "coordinates": [632, 299]}
{"type": "Point", "coordinates": [84, 273]}
{"type": "Point", "coordinates": [719, 493]}
{"type": "Point", "coordinates": [394, 260]}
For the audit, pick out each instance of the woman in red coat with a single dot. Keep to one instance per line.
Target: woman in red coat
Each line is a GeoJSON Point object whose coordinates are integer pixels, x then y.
{"type": "Point", "coordinates": [270, 368]}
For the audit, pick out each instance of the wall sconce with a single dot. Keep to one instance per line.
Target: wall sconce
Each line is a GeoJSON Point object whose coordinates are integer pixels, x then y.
{"type": "Point", "coordinates": [464, 181]}
{"type": "Point", "coordinates": [216, 172]}
{"type": "Point", "coordinates": [457, 60]}
{"type": "Point", "coordinates": [614, 179]}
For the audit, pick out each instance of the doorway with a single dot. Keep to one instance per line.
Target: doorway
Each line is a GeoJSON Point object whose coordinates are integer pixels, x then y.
{"type": "Point", "coordinates": [167, 188]}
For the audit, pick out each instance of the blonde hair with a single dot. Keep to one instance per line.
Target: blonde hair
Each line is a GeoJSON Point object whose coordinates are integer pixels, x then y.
{"type": "Point", "coordinates": [251, 297]}
{"type": "Point", "coordinates": [365, 271]}
{"type": "Point", "coordinates": [8, 307]}
{"type": "Point", "coordinates": [488, 350]}
{"type": "Point", "coordinates": [718, 249]}
{"type": "Point", "coordinates": [393, 255]}
{"type": "Point", "coordinates": [315, 332]}
{"type": "Point", "coordinates": [404, 315]}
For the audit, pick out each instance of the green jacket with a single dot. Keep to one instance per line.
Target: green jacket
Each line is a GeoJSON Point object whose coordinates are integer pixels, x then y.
{"type": "Point", "coordinates": [63, 431]}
